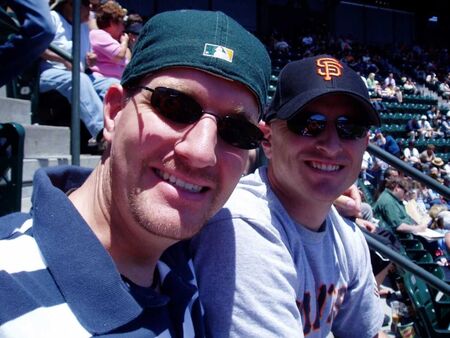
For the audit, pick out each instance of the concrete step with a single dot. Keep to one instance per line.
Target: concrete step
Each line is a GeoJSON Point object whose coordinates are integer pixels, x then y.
{"type": "Point", "coordinates": [15, 110]}
{"type": "Point", "coordinates": [46, 142]}
{"type": "Point", "coordinates": [30, 165]}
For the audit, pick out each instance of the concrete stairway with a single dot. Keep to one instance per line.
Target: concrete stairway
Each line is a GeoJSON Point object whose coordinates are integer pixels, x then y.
{"type": "Point", "coordinates": [44, 146]}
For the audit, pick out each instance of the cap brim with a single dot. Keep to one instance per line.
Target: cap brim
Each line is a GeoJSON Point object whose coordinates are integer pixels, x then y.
{"type": "Point", "coordinates": [293, 106]}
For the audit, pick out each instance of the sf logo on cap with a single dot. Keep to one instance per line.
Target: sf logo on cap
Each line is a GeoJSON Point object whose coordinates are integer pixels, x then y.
{"type": "Point", "coordinates": [328, 67]}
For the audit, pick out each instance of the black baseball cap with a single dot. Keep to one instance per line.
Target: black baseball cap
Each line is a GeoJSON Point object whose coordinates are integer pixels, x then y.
{"type": "Point", "coordinates": [303, 81]}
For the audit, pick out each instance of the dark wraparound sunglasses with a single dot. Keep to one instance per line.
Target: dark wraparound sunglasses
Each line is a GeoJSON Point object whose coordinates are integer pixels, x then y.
{"type": "Point", "coordinates": [178, 107]}
{"type": "Point", "coordinates": [312, 124]}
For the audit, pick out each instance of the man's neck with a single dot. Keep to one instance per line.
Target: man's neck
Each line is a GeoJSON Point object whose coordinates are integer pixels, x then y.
{"type": "Point", "coordinates": [133, 249]}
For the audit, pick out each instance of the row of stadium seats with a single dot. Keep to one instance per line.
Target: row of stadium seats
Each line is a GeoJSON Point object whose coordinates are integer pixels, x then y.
{"type": "Point", "coordinates": [430, 308]}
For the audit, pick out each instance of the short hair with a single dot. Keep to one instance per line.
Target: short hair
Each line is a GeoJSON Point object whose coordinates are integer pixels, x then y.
{"type": "Point", "coordinates": [402, 182]}
{"type": "Point", "coordinates": [108, 13]}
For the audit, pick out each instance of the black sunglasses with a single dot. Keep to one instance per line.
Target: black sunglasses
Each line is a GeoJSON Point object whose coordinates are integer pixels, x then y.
{"type": "Point", "coordinates": [181, 108]}
{"type": "Point", "coordinates": [312, 124]}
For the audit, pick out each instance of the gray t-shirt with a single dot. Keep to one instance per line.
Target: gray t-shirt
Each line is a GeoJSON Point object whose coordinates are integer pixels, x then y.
{"type": "Point", "coordinates": [263, 275]}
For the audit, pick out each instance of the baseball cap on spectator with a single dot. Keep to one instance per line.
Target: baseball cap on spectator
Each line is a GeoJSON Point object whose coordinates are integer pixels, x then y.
{"type": "Point", "coordinates": [134, 28]}
{"type": "Point", "coordinates": [303, 81]}
{"type": "Point", "coordinates": [205, 40]}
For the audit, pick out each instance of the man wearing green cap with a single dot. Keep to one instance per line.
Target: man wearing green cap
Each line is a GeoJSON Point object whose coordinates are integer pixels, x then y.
{"type": "Point", "coordinates": [88, 258]}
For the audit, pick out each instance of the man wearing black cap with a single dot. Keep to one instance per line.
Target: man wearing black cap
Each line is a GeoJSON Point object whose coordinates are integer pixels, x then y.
{"type": "Point", "coordinates": [278, 260]}
{"type": "Point", "coordinates": [87, 260]}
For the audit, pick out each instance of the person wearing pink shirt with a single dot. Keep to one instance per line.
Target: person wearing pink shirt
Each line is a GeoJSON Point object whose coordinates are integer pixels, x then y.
{"type": "Point", "coordinates": [109, 42]}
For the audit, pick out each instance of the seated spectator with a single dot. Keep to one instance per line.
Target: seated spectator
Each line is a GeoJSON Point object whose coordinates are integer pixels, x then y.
{"type": "Point", "coordinates": [413, 129]}
{"type": "Point", "coordinates": [390, 208]}
{"type": "Point", "coordinates": [371, 82]}
{"type": "Point", "coordinates": [387, 174]}
{"type": "Point", "coordinates": [426, 130]}
{"type": "Point", "coordinates": [387, 143]}
{"type": "Point", "coordinates": [307, 40]}
{"type": "Point", "coordinates": [389, 80]}
{"type": "Point", "coordinates": [409, 87]}
{"type": "Point", "coordinates": [432, 79]}
{"type": "Point", "coordinates": [392, 92]}
{"type": "Point", "coordinates": [36, 32]}
{"type": "Point", "coordinates": [281, 45]}
{"type": "Point", "coordinates": [432, 112]}
{"type": "Point", "coordinates": [445, 125]}
{"type": "Point", "coordinates": [427, 155]}
{"type": "Point", "coordinates": [109, 42]}
{"type": "Point", "coordinates": [444, 89]}
{"type": "Point", "coordinates": [56, 72]}
{"type": "Point", "coordinates": [133, 26]}
{"type": "Point", "coordinates": [411, 153]}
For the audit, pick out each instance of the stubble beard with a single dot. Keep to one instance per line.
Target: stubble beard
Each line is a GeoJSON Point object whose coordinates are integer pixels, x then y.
{"type": "Point", "coordinates": [157, 222]}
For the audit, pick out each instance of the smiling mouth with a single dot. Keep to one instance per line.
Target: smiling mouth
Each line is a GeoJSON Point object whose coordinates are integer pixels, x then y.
{"type": "Point", "coordinates": [324, 167]}
{"type": "Point", "coordinates": [179, 183]}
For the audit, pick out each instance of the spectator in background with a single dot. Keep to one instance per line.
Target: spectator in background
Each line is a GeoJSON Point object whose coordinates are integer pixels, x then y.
{"type": "Point", "coordinates": [411, 153]}
{"type": "Point", "coordinates": [426, 130]}
{"type": "Point", "coordinates": [445, 125]}
{"type": "Point", "coordinates": [432, 79]}
{"type": "Point", "coordinates": [32, 37]}
{"type": "Point", "coordinates": [110, 42]}
{"type": "Point", "coordinates": [432, 112]}
{"type": "Point", "coordinates": [371, 82]}
{"type": "Point", "coordinates": [282, 46]}
{"type": "Point", "coordinates": [444, 89]}
{"type": "Point", "coordinates": [427, 155]}
{"type": "Point", "coordinates": [390, 208]}
{"type": "Point", "coordinates": [438, 164]}
{"type": "Point", "coordinates": [133, 26]}
{"type": "Point", "coordinates": [413, 129]}
{"type": "Point", "coordinates": [56, 72]}
{"type": "Point", "coordinates": [387, 143]}
{"type": "Point", "coordinates": [409, 87]}
{"type": "Point", "coordinates": [389, 80]}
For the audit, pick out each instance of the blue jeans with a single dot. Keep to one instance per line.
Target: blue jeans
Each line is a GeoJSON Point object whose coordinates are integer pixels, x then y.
{"type": "Point", "coordinates": [92, 92]}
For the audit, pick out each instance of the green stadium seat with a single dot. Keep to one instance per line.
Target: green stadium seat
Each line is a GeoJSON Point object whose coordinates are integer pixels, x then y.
{"type": "Point", "coordinates": [419, 256]}
{"type": "Point", "coordinates": [412, 244]}
{"type": "Point", "coordinates": [432, 323]}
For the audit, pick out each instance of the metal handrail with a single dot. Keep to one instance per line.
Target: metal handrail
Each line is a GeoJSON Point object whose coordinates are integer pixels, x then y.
{"type": "Point", "coordinates": [406, 263]}
{"type": "Point", "coordinates": [374, 244]}
{"type": "Point", "coordinates": [75, 116]}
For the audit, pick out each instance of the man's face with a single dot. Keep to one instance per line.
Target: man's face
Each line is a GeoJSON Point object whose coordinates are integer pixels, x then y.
{"type": "Point", "coordinates": [314, 169]}
{"type": "Point", "coordinates": [170, 178]}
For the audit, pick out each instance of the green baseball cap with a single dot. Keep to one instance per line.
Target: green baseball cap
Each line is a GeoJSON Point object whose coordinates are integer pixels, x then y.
{"type": "Point", "coordinates": [205, 40]}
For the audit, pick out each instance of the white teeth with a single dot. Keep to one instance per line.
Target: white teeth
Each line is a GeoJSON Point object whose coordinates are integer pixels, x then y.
{"type": "Point", "coordinates": [177, 182]}
{"type": "Point", "coordinates": [325, 167]}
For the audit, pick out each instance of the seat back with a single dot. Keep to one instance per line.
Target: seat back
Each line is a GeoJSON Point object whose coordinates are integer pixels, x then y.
{"type": "Point", "coordinates": [12, 137]}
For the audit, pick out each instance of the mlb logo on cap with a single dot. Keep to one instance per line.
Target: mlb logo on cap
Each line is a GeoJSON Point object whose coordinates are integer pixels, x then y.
{"type": "Point", "coordinates": [219, 52]}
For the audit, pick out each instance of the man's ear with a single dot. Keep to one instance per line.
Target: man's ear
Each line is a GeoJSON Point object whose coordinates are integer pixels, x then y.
{"type": "Point", "coordinates": [112, 106]}
{"type": "Point", "coordinates": [266, 144]}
